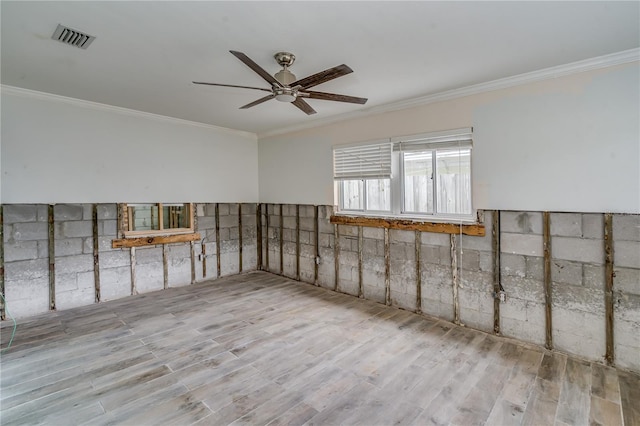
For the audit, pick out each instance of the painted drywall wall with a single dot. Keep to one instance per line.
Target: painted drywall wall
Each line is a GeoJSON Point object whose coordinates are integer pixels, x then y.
{"type": "Point", "coordinates": [568, 144]}
{"type": "Point", "coordinates": [57, 150]}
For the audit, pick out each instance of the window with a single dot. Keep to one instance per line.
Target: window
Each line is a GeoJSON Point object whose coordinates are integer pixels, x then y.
{"type": "Point", "coordinates": [158, 218]}
{"type": "Point", "coordinates": [431, 178]}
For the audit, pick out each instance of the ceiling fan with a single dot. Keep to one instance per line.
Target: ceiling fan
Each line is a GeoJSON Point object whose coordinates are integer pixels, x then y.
{"type": "Point", "coordinates": [286, 88]}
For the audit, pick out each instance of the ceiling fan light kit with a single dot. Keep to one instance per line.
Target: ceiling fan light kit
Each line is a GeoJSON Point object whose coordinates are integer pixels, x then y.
{"type": "Point", "coordinates": [286, 88]}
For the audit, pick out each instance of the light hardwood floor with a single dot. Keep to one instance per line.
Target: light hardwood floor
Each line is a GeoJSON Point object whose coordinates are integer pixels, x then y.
{"type": "Point", "coordinates": [262, 349]}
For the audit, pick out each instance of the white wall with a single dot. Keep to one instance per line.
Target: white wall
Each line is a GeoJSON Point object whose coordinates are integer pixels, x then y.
{"type": "Point", "coordinates": [567, 144]}
{"type": "Point", "coordinates": [60, 151]}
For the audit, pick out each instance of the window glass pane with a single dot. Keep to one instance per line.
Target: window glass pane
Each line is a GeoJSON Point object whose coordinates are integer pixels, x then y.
{"type": "Point", "coordinates": [418, 182]}
{"type": "Point", "coordinates": [352, 195]}
{"type": "Point", "coordinates": [379, 194]}
{"type": "Point", "coordinates": [175, 216]}
{"type": "Point", "coordinates": [143, 217]}
{"type": "Point", "coordinates": [453, 168]}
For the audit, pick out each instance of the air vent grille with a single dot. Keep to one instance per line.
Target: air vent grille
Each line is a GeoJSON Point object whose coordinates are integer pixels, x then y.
{"type": "Point", "coordinates": [72, 37]}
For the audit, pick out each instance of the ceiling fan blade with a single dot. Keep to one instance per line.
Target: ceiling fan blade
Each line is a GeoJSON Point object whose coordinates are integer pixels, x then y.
{"type": "Point", "coordinates": [322, 76]}
{"type": "Point", "coordinates": [305, 107]}
{"type": "Point", "coordinates": [259, 101]}
{"type": "Point", "coordinates": [231, 85]}
{"type": "Point", "coordinates": [257, 68]}
{"type": "Point", "coordinates": [334, 97]}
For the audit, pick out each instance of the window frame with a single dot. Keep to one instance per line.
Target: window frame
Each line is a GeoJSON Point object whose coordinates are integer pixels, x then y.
{"type": "Point", "coordinates": [126, 221]}
{"type": "Point", "coordinates": [398, 184]}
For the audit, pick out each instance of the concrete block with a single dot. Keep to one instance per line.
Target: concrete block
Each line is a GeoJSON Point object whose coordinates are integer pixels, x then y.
{"type": "Point", "coordinates": [399, 236]}
{"type": "Point", "coordinates": [74, 264]}
{"type": "Point", "coordinates": [305, 237]}
{"type": "Point", "coordinates": [627, 254]}
{"type": "Point", "coordinates": [445, 256]}
{"type": "Point", "coordinates": [430, 254]}
{"type": "Point", "coordinates": [521, 222]}
{"type": "Point", "coordinates": [593, 225]}
{"type": "Point", "coordinates": [403, 300]}
{"type": "Point", "coordinates": [566, 272]}
{"type": "Point", "coordinates": [30, 231]}
{"type": "Point", "coordinates": [534, 268]}
{"type": "Point", "coordinates": [523, 288]}
{"type": "Point", "coordinates": [179, 272]}
{"type": "Point", "coordinates": [62, 212]}
{"type": "Point", "coordinates": [234, 208]}
{"type": "Point", "coordinates": [72, 229]}
{"type": "Point", "coordinates": [108, 227]}
{"type": "Point", "coordinates": [307, 224]}
{"type": "Point", "coordinates": [577, 249]}
{"type": "Point", "coordinates": [626, 227]}
{"type": "Point", "coordinates": [566, 224]}
{"type": "Point", "coordinates": [68, 247]}
{"type": "Point", "coordinates": [528, 245]}
{"type": "Point", "coordinates": [435, 239]}
{"type": "Point", "coordinates": [626, 280]}
{"type": "Point", "coordinates": [512, 265]}
{"type": "Point", "coordinates": [179, 251]}
{"type": "Point", "coordinates": [42, 212]}
{"type": "Point", "coordinates": [209, 209]}
{"type": "Point", "coordinates": [574, 298]}
{"type": "Point", "coordinates": [43, 249]}
{"type": "Point", "coordinates": [626, 343]}
{"type": "Point", "coordinates": [107, 211]}
{"type": "Point", "coordinates": [531, 329]}
{"type": "Point", "coordinates": [224, 209]}
{"type": "Point", "coordinates": [25, 270]}
{"type": "Point", "coordinates": [21, 250]}
{"type": "Point", "coordinates": [470, 260]}
{"type": "Point", "coordinates": [289, 222]}
{"type": "Point", "coordinates": [149, 277]}
{"type": "Point", "coordinates": [373, 233]}
{"type": "Point", "coordinates": [87, 211]}
{"type": "Point", "coordinates": [486, 261]}
{"type": "Point", "coordinates": [16, 213]}
{"type": "Point", "coordinates": [481, 282]}
{"type": "Point", "coordinates": [627, 308]}
{"type": "Point", "coordinates": [376, 294]}
{"type": "Point", "coordinates": [115, 283]}
{"type": "Point", "coordinates": [225, 235]}
{"type": "Point", "coordinates": [27, 298]}
{"type": "Point", "coordinates": [206, 222]}
{"type": "Point", "coordinates": [114, 259]}
{"type": "Point", "coordinates": [234, 233]}
{"type": "Point", "coordinates": [148, 255]}
{"type": "Point", "coordinates": [480, 243]}
{"type": "Point", "coordinates": [7, 231]}
{"type": "Point", "coordinates": [228, 221]}
{"type": "Point", "coordinates": [593, 276]}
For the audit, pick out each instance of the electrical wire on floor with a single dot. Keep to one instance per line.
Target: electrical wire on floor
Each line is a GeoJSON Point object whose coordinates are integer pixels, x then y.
{"type": "Point", "coordinates": [15, 325]}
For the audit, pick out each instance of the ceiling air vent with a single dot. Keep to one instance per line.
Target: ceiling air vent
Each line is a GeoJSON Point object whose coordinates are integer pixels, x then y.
{"type": "Point", "coordinates": [72, 37]}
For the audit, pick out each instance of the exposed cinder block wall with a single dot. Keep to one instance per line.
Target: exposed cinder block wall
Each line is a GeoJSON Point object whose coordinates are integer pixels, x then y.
{"type": "Point", "coordinates": [326, 267]}
{"type": "Point", "coordinates": [272, 239]}
{"type": "Point", "coordinates": [348, 269]}
{"type": "Point", "coordinates": [476, 278]}
{"type": "Point", "coordinates": [402, 269]}
{"type": "Point", "coordinates": [437, 278]}
{"type": "Point", "coordinates": [115, 264]}
{"type": "Point", "coordinates": [373, 264]}
{"type": "Point", "coordinates": [578, 269]}
{"type": "Point", "coordinates": [521, 264]}
{"type": "Point", "coordinates": [578, 280]}
{"type": "Point", "coordinates": [206, 214]}
{"type": "Point", "coordinates": [73, 236]}
{"type": "Point", "coordinates": [26, 255]}
{"type": "Point", "coordinates": [26, 258]}
{"type": "Point", "coordinates": [249, 237]}
{"type": "Point", "coordinates": [289, 253]}
{"type": "Point", "coordinates": [626, 285]}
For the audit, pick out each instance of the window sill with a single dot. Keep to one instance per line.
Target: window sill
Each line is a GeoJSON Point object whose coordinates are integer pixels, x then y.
{"type": "Point", "coordinates": [475, 229]}
{"type": "Point", "coordinates": [154, 240]}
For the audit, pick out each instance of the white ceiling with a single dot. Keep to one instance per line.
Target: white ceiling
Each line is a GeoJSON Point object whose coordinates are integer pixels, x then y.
{"type": "Point", "coordinates": [146, 54]}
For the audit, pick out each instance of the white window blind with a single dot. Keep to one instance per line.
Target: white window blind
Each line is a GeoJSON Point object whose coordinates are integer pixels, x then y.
{"type": "Point", "coordinates": [439, 140]}
{"type": "Point", "coordinates": [371, 161]}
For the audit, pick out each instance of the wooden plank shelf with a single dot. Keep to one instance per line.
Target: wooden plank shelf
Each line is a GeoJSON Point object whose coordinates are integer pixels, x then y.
{"type": "Point", "coordinates": [475, 229]}
{"type": "Point", "coordinates": [150, 241]}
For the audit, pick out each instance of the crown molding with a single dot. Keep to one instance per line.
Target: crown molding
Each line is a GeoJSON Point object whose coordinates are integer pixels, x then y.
{"type": "Point", "coordinates": [599, 62]}
{"type": "Point", "coordinates": [34, 94]}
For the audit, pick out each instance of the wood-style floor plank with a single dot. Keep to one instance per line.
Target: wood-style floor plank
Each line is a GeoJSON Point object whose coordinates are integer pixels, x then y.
{"type": "Point", "coordinates": [258, 348]}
